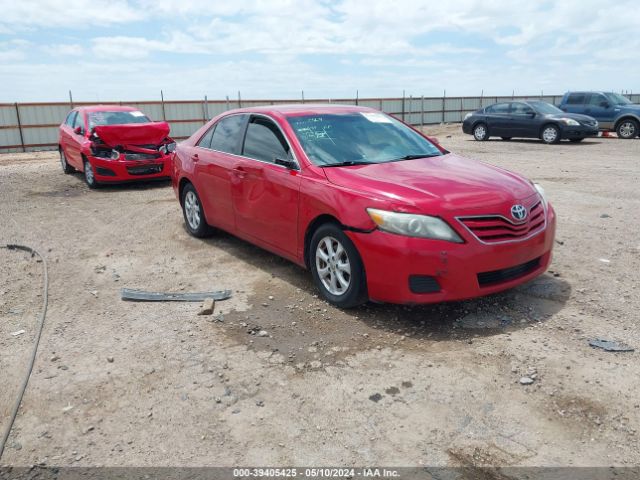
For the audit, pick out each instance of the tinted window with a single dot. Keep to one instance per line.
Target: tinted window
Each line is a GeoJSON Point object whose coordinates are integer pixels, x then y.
{"type": "Point", "coordinates": [116, 118]}
{"type": "Point", "coordinates": [78, 121]}
{"type": "Point", "coordinates": [226, 136]}
{"type": "Point", "coordinates": [205, 141]}
{"type": "Point", "coordinates": [596, 99]}
{"type": "Point", "coordinates": [520, 108]}
{"type": "Point", "coordinates": [576, 98]}
{"type": "Point", "coordinates": [264, 141]}
{"type": "Point", "coordinates": [498, 108]}
{"type": "Point", "coordinates": [70, 118]}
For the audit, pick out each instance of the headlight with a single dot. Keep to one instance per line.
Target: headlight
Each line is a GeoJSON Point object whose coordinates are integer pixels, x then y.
{"type": "Point", "coordinates": [540, 190]}
{"type": "Point", "coordinates": [467, 115]}
{"type": "Point", "coordinates": [115, 154]}
{"type": "Point", "coordinates": [411, 225]}
{"type": "Point", "coordinates": [570, 121]}
{"type": "Point", "coordinates": [168, 148]}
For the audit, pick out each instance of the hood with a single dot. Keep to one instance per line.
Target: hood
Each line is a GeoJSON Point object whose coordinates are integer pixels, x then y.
{"type": "Point", "coordinates": [634, 107]}
{"type": "Point", "coordinates": [151, 133]}
{"type": "Point", "coordinates": [575, 116]}
{"type": "Point", "coordinates": [449, 182]}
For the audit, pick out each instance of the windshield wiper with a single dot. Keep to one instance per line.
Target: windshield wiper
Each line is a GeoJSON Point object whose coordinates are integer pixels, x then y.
{"type": "Point", "coordinates": [348, 163]}
{"type": "Point", "coordinates": [416, 156]}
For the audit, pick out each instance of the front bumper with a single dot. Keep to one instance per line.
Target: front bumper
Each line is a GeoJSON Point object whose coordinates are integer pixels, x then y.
{"type": "Point", "coordinates": [393, 262]}
{"type": "Point", "coordinates": [578, 131]}
{"type": "Point", "coordinates": [106, 170]}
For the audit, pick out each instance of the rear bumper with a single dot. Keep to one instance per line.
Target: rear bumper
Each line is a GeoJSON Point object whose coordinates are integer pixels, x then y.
{"type": "Point", "coordinates": [106, 170]}
{"type": "Point", "coordinates": [397, 267]}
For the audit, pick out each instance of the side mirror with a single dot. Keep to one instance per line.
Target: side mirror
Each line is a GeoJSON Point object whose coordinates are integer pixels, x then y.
{"type": "Point", "coordinates": [290, 164]}
{"type": "Point", "coordinates": [531, 114]}
{"type": "Point", "coordinates": [604, 104]}
{"type": "Point", "coordinates": [78, 131]}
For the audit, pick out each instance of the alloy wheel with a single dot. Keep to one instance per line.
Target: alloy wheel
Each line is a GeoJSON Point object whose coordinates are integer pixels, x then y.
{"type": "Point", "coordinates": [480, 132]}
{"type": "Point", "coordinates": [333, 266]}
{"type": "Point", "coordinates": [192, 210]}
{"type": "Point", "coordinates": [88, 174]}
{"type": "Point", "coordinates": [627, 129]}
{"type": "Point", "coordinates": [549, 134]}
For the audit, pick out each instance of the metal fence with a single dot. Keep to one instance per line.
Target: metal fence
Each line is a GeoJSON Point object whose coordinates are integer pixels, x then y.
{"type": "Point", "coordinates": [34, 126]}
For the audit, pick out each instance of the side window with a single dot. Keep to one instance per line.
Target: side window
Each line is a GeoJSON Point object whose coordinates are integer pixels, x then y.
{"type": "Point", "coordinates": [205, 141]}
{"type": "Point", "coordinates": [71, 118]}
{"type": "Point", "coordinates": [264, 141]}
{"type": "Point", "coordinates": [498, 108]}
{"type": "Point", "coordinates": [576, 99]}
{"type": "Point", "coordinates": [78, 121]}
{"type": "Point", "coordinates": [520, 108]}
{"type": "Point", "coordinates": [226, 136]}
{"type": "Point", "coordinates": [597, 99]}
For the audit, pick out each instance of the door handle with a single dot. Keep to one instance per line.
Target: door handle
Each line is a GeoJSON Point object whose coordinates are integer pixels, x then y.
{"type": "Point", "coordinates": [195, 157]}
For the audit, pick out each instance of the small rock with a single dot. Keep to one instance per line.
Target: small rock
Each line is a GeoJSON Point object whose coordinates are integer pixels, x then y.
{"type": "Point", "coordinates": [208, 306]}
{"type": "Point", "coordinates": [605, 215]}
{"type": "Point", "coordinates": [263, 333]}
{"type": "Point", "coordinates": [376, 397]}
{"type": "Point", "coordinates": [17, 333]}
{"type": "Point", "coordinates": [94, 293]}
{"type": "Point", "coordinates": [271, 297]}
{"type": "Point", "coordinates": [110, 359]}
{"type": "Point", "coordinates": [526, 380]}
{"type": "Point", "coordinates": [260, 403]}
{"type": "Point", "coordinates": [90, 428]}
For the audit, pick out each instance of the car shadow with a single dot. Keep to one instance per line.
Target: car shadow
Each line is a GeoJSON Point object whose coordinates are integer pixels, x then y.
{"type": "Point", "coordinates": [128, 185]}
{"type": "Point", "coordinates": [289, 297]}
{"type": "Point", "coordinates": [534, 141]}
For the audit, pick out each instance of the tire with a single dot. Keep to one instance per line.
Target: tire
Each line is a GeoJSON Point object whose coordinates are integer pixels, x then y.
{"type": "Point", "coordinates": [576, 140]}
{"type": "Point", "coordinates": [89, 176]}
{"type": "Point", "coordinates": [334, 261]}
{"type": "Point", "coordinates": [193, 213]}
{"type": "Point", "coordinates": [550, 134]}
{"type": "Point", "coordinates": [506, 139]}
{"type": "Point", "coordinates": [628, 128]}
{"type": "Point", "coordinates": [481, 132]}
{"type": "Point", "coordinates": [66, 168]}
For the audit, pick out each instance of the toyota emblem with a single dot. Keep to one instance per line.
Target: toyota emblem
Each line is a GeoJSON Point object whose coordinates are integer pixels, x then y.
{"type": "Point", "coordinates": [518, 212]}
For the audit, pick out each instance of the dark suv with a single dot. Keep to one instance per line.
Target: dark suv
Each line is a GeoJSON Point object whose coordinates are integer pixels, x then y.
{"type": "Point", "coordinates": [612, 110]}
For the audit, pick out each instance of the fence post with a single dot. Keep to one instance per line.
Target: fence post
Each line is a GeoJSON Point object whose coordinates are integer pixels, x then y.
{"type": "Point", "coordinates": [444, 96]}
{"type": "Point", "coordinates": [205, 110]}
{"type": "Point", "coordinates": [164, 113]}
{"type": "Point", "coordinates": [410, 108]}
{"type": "Point", "coordinates": [461, 108]}
{"type": "Point", "coordinates": [302, 96]}
{"type": "Point", "coordinates": [239, 100]}
{"type": "Point", "coordinates": [70, 99]}
{"type": "Point", "coordinates": [227, 102]}
{"type": "Point", "coordinates": [422, 112]}
{"type": "Point", "coordinates": [20, 127]}
{"type": "Point", "coordinates": [356, 97]}
{"type": "Point", "coordinates": [403, 105]}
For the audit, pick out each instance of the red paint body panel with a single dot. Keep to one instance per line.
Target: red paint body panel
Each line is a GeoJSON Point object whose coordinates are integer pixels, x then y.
{"type": "Point", "coordinates": [273, 207]}
{"type": "Point", "coordinates": [79, 146]}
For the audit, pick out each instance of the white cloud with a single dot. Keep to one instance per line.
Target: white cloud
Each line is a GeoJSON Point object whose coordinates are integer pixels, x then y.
{"type": "Point", "coordinates": [64, 50]}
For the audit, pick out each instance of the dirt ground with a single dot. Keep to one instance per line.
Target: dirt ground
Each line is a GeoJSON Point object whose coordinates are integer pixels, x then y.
{"type": "Point", "coordinates": [131, 384]}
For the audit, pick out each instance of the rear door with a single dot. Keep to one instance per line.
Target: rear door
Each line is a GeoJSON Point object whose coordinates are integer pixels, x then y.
{"type": "Point", "coordinates": [74, 142]}
{"type": "Point", "coordinates": [498, 119]}
{"type": "Point", "coordinates": [576, 103]}
{"type": "Point", "coordinates": [265, 194]}
{"type": "Point", "coordinates": [214, 157]}
{"type": "Point", "coordinates": [66, 130]}
{"type": "Point", "coordinates": [523, 120]}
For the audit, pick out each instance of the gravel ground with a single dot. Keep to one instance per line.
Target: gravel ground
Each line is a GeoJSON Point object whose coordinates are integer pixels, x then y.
{"type": "Point", "coordinates": [130, 384]}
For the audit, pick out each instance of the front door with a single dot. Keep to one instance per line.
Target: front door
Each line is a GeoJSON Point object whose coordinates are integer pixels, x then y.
{"type": "Point", "coordinates": [266, 194]}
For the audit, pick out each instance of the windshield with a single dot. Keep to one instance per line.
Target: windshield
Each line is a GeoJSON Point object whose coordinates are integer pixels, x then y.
{"type": "Point", "coordinates": [618, 99]}
{"type": "Point", "coordinates": [116, 118]}
{"type": "Point", "coordinates": [545, 108]}
{"type": "Point", "coordinates": [359, 137]}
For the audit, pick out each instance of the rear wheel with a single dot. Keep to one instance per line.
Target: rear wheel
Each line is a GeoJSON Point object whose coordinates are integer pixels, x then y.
{"type": "Point", "coordinates": [337, 268]}
{"type": "Point", "coordinates": [66, 168]}
{"type": "Point", "coordinates": [481, 132]}
{"type": "Point", "coordinates": [628, 128]}
{"type": "Point", "coordinates": [89, 175]}
{"type": "Point", "coordinates": [193, 213]}
{"type": "Point", "coordinates": [550, 134]}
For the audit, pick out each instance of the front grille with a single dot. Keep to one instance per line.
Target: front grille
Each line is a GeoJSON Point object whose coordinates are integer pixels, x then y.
{"type": "Point", "coordinates": [486, 279]}
{"type": "Point", "coordinates": [105, 172]}
{"type": "Point", "coordinates": [141, 156]}
{"type": "Point", "coordinates": [145, 170]}
{"type": "Point", "coordinates": [423, 284]}
{"type": "Point", "coordinates": [497, 229]}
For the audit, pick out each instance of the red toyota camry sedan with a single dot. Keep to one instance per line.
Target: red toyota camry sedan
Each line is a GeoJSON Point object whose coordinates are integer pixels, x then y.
{"type": "Point", "coordinates": [371, 206]}
{"type": "Point", "coordinates": [111, 143]}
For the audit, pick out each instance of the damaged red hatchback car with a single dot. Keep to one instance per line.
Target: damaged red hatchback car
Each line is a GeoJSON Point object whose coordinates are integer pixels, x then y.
{"type": "Point", "coordinates": [370, 205]}
{"type": "Point", "coordinates": [112, 143]}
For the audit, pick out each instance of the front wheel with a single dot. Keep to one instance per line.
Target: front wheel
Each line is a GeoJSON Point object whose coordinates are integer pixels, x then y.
{"type": "Point", "coordinates": [193, 213]}
{"type": "Point", "coordinates": [337, 268]}
{"type": "Point", "coordinates": [66, 168]}
{"type": "Point", "coordinates": [89, 175]}
{"type": "Point", "coordinates": [628, 129]}
{"type": "Point", "coordinates": [550, 134]}
{"type": "Point", "coordinates": [480, 132]}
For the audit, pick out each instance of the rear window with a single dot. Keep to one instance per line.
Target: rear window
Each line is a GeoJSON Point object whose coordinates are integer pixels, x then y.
{"type": "Point", "coordinates": [226, 136]}
{"type": "Point", "coordinates": [576, 98]}
{"type": "Point", "coordinates": [97, 119]}
{"type": "Point", "coordinates": [498, 108]}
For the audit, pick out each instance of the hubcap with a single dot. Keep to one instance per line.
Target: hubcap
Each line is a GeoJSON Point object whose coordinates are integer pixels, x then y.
{"type": "Point", "coordinates": [480, 132]}
{"type": "Point", "coordinates": [549, 135]}
{"type": "Point", "coordinates": [88, 173]}
{"type": "Point", "coordinates": [192, 210]}
{"type": "Point", "coordinates": [627, 130]}
{"type": "Point", "coordinates": [333, 266]}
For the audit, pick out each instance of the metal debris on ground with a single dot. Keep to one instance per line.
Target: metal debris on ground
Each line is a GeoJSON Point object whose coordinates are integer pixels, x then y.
{"type": "Point", "coordinates": [208, 306]}
{"type": "Point", "coordinates": [142, 296]}
{"type": "Point", "coordinates": [610, 345]}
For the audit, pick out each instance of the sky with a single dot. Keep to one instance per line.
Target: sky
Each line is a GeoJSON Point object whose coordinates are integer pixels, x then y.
{"type": "Point", "coordinates": [105, 50]}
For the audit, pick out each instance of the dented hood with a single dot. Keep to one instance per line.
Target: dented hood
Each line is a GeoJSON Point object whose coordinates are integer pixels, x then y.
{"type": "Point", "coordinates": [133, 133]}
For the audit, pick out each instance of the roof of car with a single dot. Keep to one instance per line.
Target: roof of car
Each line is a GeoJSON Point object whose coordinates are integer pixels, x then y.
{"type": "Point", "coordinates": [304, 109]}
{"type": "Point", "coordinates": [107, 108]}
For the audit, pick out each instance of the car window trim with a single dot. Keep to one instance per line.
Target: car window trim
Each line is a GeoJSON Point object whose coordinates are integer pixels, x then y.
{"type": "Point", "coordinates": [244, 133]}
